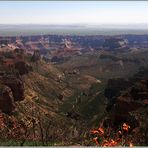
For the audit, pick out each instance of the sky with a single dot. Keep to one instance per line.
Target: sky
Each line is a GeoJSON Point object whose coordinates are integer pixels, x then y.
{"type": "Point", "coordinates": [74, 12]}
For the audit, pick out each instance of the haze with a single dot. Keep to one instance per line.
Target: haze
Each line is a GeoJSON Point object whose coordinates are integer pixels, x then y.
{"type": "Point", "coordinates": [64, 12]}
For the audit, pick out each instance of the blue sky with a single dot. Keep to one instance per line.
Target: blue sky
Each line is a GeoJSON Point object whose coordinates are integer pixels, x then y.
{"type": "Point", "coordinates": [73, 12]}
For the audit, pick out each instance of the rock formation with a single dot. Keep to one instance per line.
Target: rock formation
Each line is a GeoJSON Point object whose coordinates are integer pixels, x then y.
{"type": "Point", "coordinates": [17, 87]}
{"type": "Point", "coordinates": [22, 67]}
{"type": "Point", "coordinates": [6, 99]}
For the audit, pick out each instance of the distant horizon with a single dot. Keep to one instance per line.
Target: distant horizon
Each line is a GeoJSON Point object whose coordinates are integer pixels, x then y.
{"type": "Point", "coordinates": [133, 25]}
{"type": "Point", "coordinates": [73, 24]}
{"type": "Point", "coordinates": [25, 30]}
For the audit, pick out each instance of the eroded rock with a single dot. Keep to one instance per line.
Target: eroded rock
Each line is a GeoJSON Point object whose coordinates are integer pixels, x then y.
{"type": "Point", "coordinates": [22, 67]}
{"type": "Point", "coordinates": [6, 99]}
{"type": "Point", "coordinates": [17, 87]}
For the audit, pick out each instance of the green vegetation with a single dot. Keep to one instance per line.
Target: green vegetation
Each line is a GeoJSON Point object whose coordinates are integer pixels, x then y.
{"type": "Point", "coordinates": [12, 142]}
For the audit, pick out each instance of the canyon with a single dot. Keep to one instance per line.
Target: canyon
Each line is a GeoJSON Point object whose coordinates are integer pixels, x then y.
{"type": "Point", "coordinates": [55, 88]}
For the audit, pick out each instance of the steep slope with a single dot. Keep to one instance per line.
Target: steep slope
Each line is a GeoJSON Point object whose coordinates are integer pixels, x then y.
{"type": "Point", "coordinates": [36, 100]}
{"type": "Point", "coordinates": [44, 101]}
{"type": "Point", "coordinates": [126, 121]}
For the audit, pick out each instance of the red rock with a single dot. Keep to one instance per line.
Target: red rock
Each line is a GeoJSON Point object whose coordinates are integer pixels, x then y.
{"type": "Point", "coordinates": [17, 88]}
{"type": "Point", "coordinates": [6, 100]}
